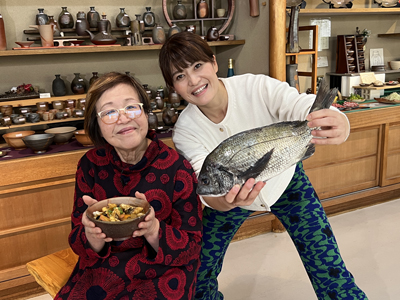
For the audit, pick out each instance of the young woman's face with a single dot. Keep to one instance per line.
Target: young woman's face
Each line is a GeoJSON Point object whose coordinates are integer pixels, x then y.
{"type": "Point", "coordinates": [126, 134]}
{"type": "Point", "coordinates": [197, 84]}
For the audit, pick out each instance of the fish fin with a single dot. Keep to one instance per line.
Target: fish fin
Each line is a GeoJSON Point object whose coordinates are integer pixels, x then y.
{"type": "Point", "coordinates": [257, 168]}
{"type": "Point", "coordinates": [325, 96]}
{"type": "Point", "coordinates": [309, 152]}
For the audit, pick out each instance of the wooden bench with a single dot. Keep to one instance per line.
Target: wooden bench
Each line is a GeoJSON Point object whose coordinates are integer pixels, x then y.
{"type": "Point", "coordinates": [52, 271]}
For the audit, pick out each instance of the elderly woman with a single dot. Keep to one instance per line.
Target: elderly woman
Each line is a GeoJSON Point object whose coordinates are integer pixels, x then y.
{"type": "Point", "coordinates": [161, 259]}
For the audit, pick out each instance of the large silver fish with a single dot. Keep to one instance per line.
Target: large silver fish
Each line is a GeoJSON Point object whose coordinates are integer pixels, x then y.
{"type": "Point", "coordinates": [260, 153]}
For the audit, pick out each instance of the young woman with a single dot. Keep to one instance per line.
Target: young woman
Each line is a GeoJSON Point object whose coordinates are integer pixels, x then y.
{"type": "Point", "coordinates": [221, 107]}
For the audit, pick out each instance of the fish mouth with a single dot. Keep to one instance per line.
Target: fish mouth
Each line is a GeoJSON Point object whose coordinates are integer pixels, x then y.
{"type": "Point", "coordinates": [126, 130]}
{"type": "Point", "coordinates": [199, 90]}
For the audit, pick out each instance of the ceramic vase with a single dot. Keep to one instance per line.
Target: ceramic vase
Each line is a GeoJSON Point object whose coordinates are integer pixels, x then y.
{"type": "Point", "coordinates": [41, 17]}
{"type": "Point", "coordinates": [158, 34]}
{"type": "Point", "coordinates": [153, 120]}
{"type": "Point", "coordinates": [93, 78]}
{"type": "Point", "coordinates": [179, 12]}
{"type": "Point", "coordinates": [202, 9]}
{"type": "Point", "coordinates": [173, 30]}
{"type": "Point", "coordinates": [122, 19]}
{"type": "Point", "coordinates": [81, 24]}
{"type": "Point", "coordinates": [174, 99]}
{"type": "Point", "coordinates": [3, 42]}
{"type": "Point", "coordinates": [65, 19]}
{"type": "Point", "coordinates": [93, 17]}
{"type": "Point", "coordinates": [56, 28]}
{"type": "Point", "coordinates": [58, 86]}
{"type": "Point", "coordinates": [159, 101]}
{"type": "Point", "coordinates": [169, 115]}
{"type": "Point", "coordinates": [149, 18]}
{"type": "Point", "coordinates": [78, 86]}
{"type": "Point", "coordinates": [212, 34]}
{"type": "Point", "coordinates": [148, 91]}
{"type": "Point", "coordinates": [104, 36]}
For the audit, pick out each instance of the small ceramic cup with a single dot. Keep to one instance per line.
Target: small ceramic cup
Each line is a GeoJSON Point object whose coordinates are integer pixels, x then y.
{"type": "Point", "coordinates": [45, 116]}
{"type": "Point", "coordinates": [42, 105]}
{"type": "Point", "coordinates": [221, 12]}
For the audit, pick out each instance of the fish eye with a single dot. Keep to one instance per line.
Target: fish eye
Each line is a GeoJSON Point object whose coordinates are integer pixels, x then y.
{"type": "Point", "coordinates": [205, 181]}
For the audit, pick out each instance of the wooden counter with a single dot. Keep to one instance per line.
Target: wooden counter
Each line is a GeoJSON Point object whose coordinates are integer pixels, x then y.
{"type": "Point", "coordinates": [36, 193]}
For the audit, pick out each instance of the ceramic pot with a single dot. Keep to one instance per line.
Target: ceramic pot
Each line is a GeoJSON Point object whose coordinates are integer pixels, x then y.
{"type": "Point", "coordinates": [6, 121]}
{"type": "Point", "coordinates": [56, 28]}
{"type": "Point", "coordinates": [153, 120]}
{"type": "Point", "coordinates": [19, 120]}
{"type": "Point", "coordinates": [78, 113]}
{"type": "Point", "coordinates": [6, 110]}
{"type": "Point", "coordinates": [80, 103]}
{"type": "Point", "coordinates": [33, 118]}
{"type": "Point", "coordinates": [202, 9]}
{"type": "Point", "coordinates": [160, 90]}
{"type": "Point", "coordinates": [149, 18]}
{"type": "Point", "coordinates": [191, 28]}
{"type": "Point", "coordinates": [41, 17]}
{"type": "Point", "coordinates": [339, 3]}
{"type": "Point", "coordinates": [169, 115]}
{"type": "Point", "coordinates": [81, 24]}
{"type": "Point", "coordinates": [58, 86]}
{"type": "Point", "coordinates": [46, 34]}
{"type": "Point", "coordinates": [42, 106]}
{"type": "Point", "coordinates": [179, 12]}
{"type": "Point", "coordinates": [24, 110]}
{"type": "Point", "coordinates": [65, 19]}
{"type": "Point", "coordinates": [93, 78]}
{"type": "Point", "coordinates": [148, 91]}
{"type": "Point", "coordinates": [70, 103]}
{"type": "Point", "coordinates": [93, 17]}
{"type": "Point", "coordinates": [58, 104]}
{"type": "Point", "coordinates": [158, 34]}
{"type": "Point", "coordinates": [212, 34]}
{"type": "Point", "coordinates": [173, 30]}
{"type": "Point", "coordinates": [3, 42]}
{"type": "Point", "coordinates": [122, 19]}
{"type": "Point", "coordinates": [104, 36]}
{"type": "Point", "coordinates": [159, 101]}
{"type": "Point", "coordinates": [174, 99]}
{"type": "Point", "coordinates": [78, 86]}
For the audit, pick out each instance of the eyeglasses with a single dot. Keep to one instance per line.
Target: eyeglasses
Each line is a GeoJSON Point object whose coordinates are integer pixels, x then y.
{"type": "Point", "coordinates": [132, 111]}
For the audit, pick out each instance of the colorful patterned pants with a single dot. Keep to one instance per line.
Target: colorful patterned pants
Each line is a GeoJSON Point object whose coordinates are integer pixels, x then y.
{"type": "Point", "coordinates": [302, 214]}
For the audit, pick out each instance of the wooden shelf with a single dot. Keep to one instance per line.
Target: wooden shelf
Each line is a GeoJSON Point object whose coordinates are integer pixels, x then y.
{"type": "Point", "coordinates": [97, 49]}
{"type": "Point", "coordinates": [41, 123]}
{"type": "Point", "coordinates": [349, 11]}
{"type": "Point", "coordinates": [302, 52]}
{"type": "Point", "coordinates": [396, 34]}
{"type": "Point", "coordinates": [29, 102]}
{"type": "Point", "coordinates": [385, 87]}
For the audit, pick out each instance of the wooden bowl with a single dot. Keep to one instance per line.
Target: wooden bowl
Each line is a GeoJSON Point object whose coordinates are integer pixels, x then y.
{"type": "Point", "coordinates": [14, 139]}
{"type": "Point", "coordinates": [118, 230]}
{"type": "Point", "coordinates": [83, 138]}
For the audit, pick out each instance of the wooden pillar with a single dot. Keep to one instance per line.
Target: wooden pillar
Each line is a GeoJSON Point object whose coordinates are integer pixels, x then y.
{"type": "Point", "coordinates": [277, 39]}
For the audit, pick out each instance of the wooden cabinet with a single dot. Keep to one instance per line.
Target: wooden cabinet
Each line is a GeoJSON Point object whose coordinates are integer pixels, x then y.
{"type": "Point", "coordinates": [350, 54]}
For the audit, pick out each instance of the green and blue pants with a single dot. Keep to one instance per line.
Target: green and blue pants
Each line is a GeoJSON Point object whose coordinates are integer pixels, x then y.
{"type": "Point", "coordinates": [304, 218]}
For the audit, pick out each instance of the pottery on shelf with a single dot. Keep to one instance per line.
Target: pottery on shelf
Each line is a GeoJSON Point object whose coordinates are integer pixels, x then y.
{"type": "Point", "coordinates": [158, 34]}
{"type": "Point", "coordinates": [169, 115]}
{"type": "Point", "coordinates": [65, 19]}
{"type": "Point", "coordinates": [153, 120]}
{"type": "Point", "coordinates": [25, 44]}
{"type": "Point", "coordinates": [212, 34]}
{"type": "Point", "coordinates": [173, 30]}
{"type": "Point", "coordinates": [174, 98]}
{"type": "Point", "coordinates": [179, 12]}
{"type": "Point", "coordinates": [93, 78]}
{"type": "Point", "coordinates": [3, 42]}
{"type": "Point", "coordinates": [46, 34]}
{"type": "Point", "coordinates": [202, 9]}
{"type": "Point", "coordinates": [103, 37]}
{"type": "Point", "coordinates": [81, 24]}
{"type": "Point", "coordinates": [58, 86]}
{"type": "Point", "coordinates": [78, 85]}
{"type": "Point", "coordinates": [41, 17]}
{"type": "Point", "coordinates": [149, 18]}
{"type": "Point", "coordinates": [339, 3]}
{"type": "Point", "coordinates": [56, 28]}
{"type": "Point", "coordinates": [122, 19]}
{"type": "Point", "coordinates": [93, 17]}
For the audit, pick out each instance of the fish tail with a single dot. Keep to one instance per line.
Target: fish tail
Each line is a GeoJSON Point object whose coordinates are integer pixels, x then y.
{"type": "Point", "coordinates": [325, 96]}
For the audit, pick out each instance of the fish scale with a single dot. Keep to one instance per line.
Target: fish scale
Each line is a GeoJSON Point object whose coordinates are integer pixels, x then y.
{"type": "Point", "coordinates": [260, 153]}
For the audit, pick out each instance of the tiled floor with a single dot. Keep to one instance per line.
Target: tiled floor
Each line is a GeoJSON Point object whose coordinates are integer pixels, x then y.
{"type": "Point", "coordinates": [268, 267]}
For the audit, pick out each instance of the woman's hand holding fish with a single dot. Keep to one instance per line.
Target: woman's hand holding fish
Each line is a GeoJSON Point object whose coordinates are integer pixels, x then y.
{"type": "Point", "coordinates": [335, 127]}
{"type": "Point", "coordinates": [94, 234]}
{"type": "Point", "coordinates": [237, 196]}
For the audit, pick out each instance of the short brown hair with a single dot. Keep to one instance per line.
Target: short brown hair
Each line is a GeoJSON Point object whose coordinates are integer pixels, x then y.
{"type": "Point", "coordinates": [182, 50]}
{"type": "Point", "coordinates": [101, 85]}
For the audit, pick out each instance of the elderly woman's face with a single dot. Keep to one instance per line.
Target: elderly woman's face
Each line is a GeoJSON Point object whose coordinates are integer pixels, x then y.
{"type": "Point", "coordinates": [126, 134]}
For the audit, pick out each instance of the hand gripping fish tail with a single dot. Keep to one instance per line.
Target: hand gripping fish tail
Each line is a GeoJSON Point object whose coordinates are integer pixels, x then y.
{"type": "Point", "coordinates": [260, 153]}
{"type": "Point", "coordinates": [325, 96]}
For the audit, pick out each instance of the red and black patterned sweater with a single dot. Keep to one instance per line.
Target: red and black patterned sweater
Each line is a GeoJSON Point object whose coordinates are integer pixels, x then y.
{"type": "Point", "coordinates": [131, 269]}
